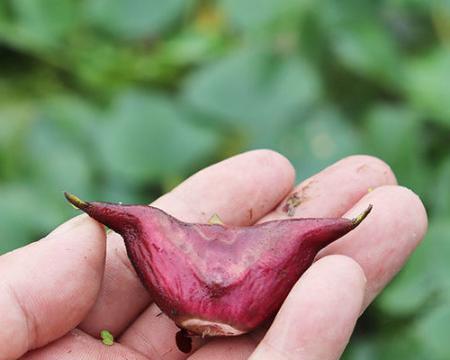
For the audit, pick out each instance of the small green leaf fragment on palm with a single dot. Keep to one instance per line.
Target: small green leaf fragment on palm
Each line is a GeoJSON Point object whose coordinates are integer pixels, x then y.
{"type": "Point", "coordinates": [107, 337]}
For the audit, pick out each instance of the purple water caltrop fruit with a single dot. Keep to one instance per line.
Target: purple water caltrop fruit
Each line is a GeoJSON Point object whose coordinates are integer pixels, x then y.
{"type": "Point", "coordinates": [213, 279]}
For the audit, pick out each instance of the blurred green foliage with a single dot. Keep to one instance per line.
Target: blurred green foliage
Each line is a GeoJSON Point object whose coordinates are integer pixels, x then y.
{"type": "Point", "coordinates": [122, 99]}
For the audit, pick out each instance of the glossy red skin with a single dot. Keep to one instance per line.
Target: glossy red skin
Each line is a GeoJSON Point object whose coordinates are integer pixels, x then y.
{"type": "Point", "coordinates": [233, 275]}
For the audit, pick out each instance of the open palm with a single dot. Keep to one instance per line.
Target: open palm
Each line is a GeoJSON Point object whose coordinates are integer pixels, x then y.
{"type": "Point", "coordinates": [57, 294]}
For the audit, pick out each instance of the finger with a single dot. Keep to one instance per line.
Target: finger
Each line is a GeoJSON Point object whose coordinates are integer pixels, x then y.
{"type": "Point", "coordinates": [335, 189]}
{"type": "Point", "coordinates": [228, 348]}
{"type": "Point", "coordinates": [317, 318]}
{"type": "Point", "coordinates": [240, 189]}
{"type": "Point", "coordinates": [46, 288]}
{"type": "Point", "coordinates": [79, 346]}
{"type": "Point", "coordinates": [386, 238]}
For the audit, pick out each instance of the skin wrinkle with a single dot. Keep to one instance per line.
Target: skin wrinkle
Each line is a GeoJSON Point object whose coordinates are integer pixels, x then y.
{"type": "Point", "coordinates": [148, 343]}
{"type": "Point", "coordinates": [280, 352]}
{"type": "Point", "coordinates": [154, 352]}
{"type": "Point", "coordinates": [92, 349]}
{"type": "Point", "coordinates": [31, 335]}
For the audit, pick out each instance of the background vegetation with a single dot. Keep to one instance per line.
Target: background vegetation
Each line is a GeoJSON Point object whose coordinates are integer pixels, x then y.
{"type": "Point", "coordinates": [121, 99]}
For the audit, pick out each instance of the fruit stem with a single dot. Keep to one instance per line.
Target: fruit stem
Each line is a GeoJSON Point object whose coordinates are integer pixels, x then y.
{"type": "Point", "coordinates": [76, 201]}
{"type": "Point", "coordinates": [357, 220]}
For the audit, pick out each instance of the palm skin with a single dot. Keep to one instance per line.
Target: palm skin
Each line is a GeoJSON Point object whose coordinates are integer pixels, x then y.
{"type": "Point", "coordinates": [57, 294]}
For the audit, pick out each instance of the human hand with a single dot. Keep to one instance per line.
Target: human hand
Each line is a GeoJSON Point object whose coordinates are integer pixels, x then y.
{"type": "Point", "coordinates": [57, 294]}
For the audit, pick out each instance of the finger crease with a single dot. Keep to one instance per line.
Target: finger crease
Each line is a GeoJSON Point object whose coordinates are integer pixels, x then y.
{"type": "Point", "coordinates": [28, 318]}
{"type": "Point", "coordinates": [148, 342]}
{"type": "Point", "coordinates": [282, 353]}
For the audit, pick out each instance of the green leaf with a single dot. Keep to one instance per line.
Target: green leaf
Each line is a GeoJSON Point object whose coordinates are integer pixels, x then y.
{"type": "Point", "coordinates": [318, 140]}
{"type": "Point", "coordinates": [360, 41]}
{"type": "Point", "coordinates": [64, 168]}
{"type": "Point", "coordinates": [395, 134]}
{"type": "Point", "coordinates": [42, 23]}
{"type": "Point", "coordinates": [424, 278]}
{"type": "Point", "coordinates": [51, 158]}
{"type": "Point", "coordinates": [148, 137]}
{"type": "Point", "coordinates": [421, 4]}
{"type": "Point", "coordinates": [253, 14]}
{"type": "Point", "coordinates": [107, 337]}
{"type": "Point", "coordinates": [366, 49]}
{"type": "Point", "coordinates": [74, 116]}
{"type": "Point", "coordinates": [57, 146]}
{"type": "Point", "coordinates": [361, 349]}
{"type": "Point", "coordinates": [25, 215]}
{"type": "Point", "coordinates": [426, 85]}
{"type": "Point", "coordinates": [386, 124]}
{"type": "Point", "coordinates": [393, 343]}
{"type": "Point", "coordinates": [117, 189]}
{"type": "Point", "coordinates": [253, 88]}
{"type": "Point", "coordinates": [133, 19]}
{"type": "Point", "coordinates": [441, 190]}
{"type": "Point", "coordinates": [432, 330]}
{"type": "Point", "coordinates": [15, 117]}
{"type": "Point", "coordinates": [191, 47]}
{"type": "Point", "coordinates": [400, 343]}
{"type": "Point", "coordinates": [103, 65]}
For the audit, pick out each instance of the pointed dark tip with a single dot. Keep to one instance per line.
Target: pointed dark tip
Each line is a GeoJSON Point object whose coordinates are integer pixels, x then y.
{"type": "Point", "coordinates": [76, 201]}
{"type": "Point", "coordinates": [357, 220]}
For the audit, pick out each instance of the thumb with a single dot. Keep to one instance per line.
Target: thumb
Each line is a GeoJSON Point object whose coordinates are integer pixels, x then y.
{"type": "Point", "coordinates": [47, 287]}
